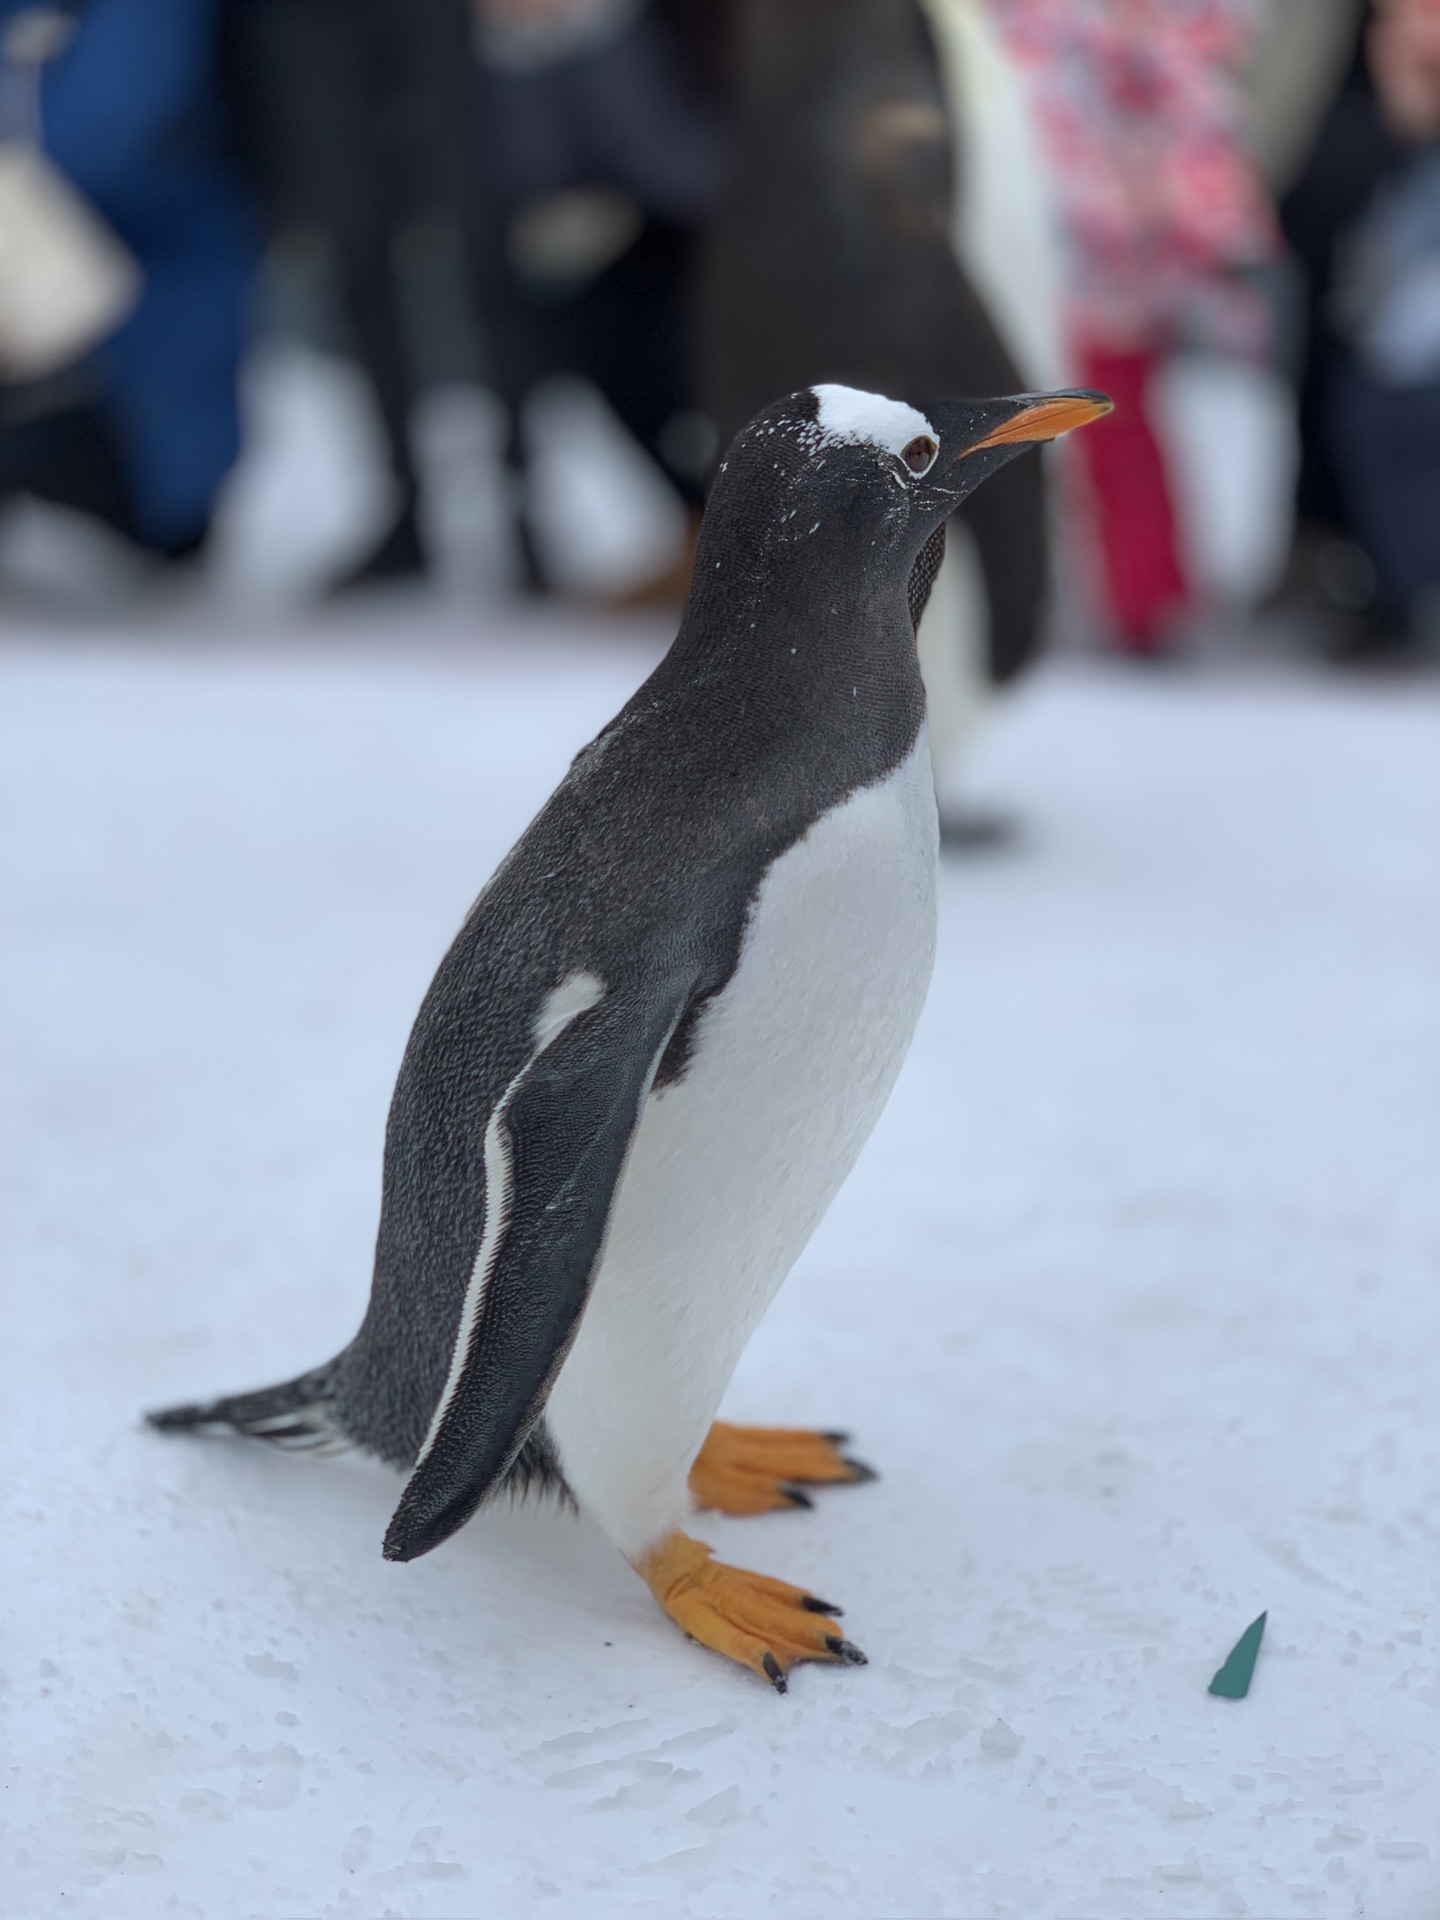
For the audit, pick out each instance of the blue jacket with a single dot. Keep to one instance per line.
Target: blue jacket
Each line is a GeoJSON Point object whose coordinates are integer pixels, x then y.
{"type": "Point", "coordinates": [128, 111]}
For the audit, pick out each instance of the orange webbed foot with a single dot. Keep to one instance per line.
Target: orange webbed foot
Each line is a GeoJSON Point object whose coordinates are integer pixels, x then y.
{"type": "Point", "coordinates": [766, 1625]}
{"type": "Point", "coordinates": [761, 1469]}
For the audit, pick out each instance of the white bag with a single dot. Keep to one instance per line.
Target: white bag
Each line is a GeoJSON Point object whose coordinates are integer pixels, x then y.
{"type": "Point", "coordinates": [65, 279]}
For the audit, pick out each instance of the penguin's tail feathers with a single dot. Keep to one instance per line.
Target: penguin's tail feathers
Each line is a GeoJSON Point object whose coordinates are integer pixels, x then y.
{"type": "Point", "coordinates": [298, 1415]}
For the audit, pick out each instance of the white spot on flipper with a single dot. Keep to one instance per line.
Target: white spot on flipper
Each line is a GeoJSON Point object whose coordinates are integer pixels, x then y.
{"type": "Point", "coordinates": [847, 415]}
{"type": "Point", "coordinates": [576, 994]}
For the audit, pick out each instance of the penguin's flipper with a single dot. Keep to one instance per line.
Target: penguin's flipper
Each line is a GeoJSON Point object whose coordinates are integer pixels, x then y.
{"type": "Point", "coordinates": [554, 1149]}
{"type": "Point", "coordinates": [765, 1469]}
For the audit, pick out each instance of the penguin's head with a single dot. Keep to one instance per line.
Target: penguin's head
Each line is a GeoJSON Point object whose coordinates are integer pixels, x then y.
{"type": "Point", "coordinates": [859, 473]}
{"type": "Point", "coordinates": [937, 457]}
{"type": "Point", "coordinates": [828, 496]}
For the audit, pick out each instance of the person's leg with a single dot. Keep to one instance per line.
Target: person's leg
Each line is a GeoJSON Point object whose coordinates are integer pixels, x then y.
{"type": "Point", "coordinates": [1134, 519]}
{"type": "Point", "coordinates": [68, 459]}
{"type": "Point", "coordinates": [316, 79]}
{"type": "Point", "coordinates": [1385, 442]}
{"type": "Point", "coordinates": [631, 339]}
{"type": "Point", "coordinates": [370, 309]}
{"type": "Point", "coordinates": [1351, 154]}
{"type": "Point", "coordinates": [466, 176]}
{"type": "Point", "coordinates": [627, 334]}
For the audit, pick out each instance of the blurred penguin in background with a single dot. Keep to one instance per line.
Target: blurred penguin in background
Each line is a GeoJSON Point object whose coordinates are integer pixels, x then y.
{"type": "Point", "coordinates": [834, 257]}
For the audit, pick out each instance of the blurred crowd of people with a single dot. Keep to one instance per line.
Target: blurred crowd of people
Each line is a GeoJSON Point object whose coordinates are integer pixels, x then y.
{"type": "Point", "coordinates": [693, 204]}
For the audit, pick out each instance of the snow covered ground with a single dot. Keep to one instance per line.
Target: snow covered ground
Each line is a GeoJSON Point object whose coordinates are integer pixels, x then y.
{"type": "Point", "coordinates": [1132, 1300]}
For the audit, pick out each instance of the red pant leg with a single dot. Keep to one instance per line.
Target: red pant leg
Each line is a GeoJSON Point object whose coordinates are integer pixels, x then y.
{"type": "Point", "coordinates": [1136, 525]}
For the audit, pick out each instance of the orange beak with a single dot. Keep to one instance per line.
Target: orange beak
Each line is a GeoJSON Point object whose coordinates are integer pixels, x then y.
{"type": "Point", "coordinates": [1051, 415]}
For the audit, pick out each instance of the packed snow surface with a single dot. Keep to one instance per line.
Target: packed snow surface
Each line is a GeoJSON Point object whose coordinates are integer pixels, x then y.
{"type": "Point", "coordinates": [1131, 1300]}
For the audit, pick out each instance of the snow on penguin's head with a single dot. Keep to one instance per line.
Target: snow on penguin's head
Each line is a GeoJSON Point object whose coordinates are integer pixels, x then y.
{"type": "Point", "coordinates": [846, 415]}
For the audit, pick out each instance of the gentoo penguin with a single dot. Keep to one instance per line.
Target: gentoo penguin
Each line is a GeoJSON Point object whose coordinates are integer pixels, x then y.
{"type": "Point", "coordinates": [664, 1032]}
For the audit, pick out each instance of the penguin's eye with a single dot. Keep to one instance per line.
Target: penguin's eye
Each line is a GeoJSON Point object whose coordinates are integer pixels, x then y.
{"type": "Point", "coordinates": [919, 456]}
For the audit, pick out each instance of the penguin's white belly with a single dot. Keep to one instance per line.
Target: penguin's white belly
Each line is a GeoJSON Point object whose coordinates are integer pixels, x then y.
{"type": "Point", "coordinates": [732, 1168]}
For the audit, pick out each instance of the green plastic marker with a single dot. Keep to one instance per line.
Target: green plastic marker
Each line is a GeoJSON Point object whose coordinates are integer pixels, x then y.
{"type": "Point", "coordinates": [1232, 1682]}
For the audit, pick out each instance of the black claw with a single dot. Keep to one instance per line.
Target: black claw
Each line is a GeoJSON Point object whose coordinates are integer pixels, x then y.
{"type": "Point", "coordinates": [797, 1497]}
{"type": "Point", "coordinates": [844, 1650]}
{"type": "Point", "coordinates": [835, 1439]}
{"type": "Point", "coordinates": [773, 1673]}
{"type": "Point", "coordinates": [812, 1605]}
{"type": "Point", "coordinates": [858, 1469]}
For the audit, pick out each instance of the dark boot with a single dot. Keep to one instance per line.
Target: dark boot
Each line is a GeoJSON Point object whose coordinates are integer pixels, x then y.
{"type": "Point", "coordinates": [398, 558]}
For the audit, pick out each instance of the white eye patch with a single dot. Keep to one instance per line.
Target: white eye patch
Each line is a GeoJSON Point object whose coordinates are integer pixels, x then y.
{"type": "Point", "coordinates": [848, 415]}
